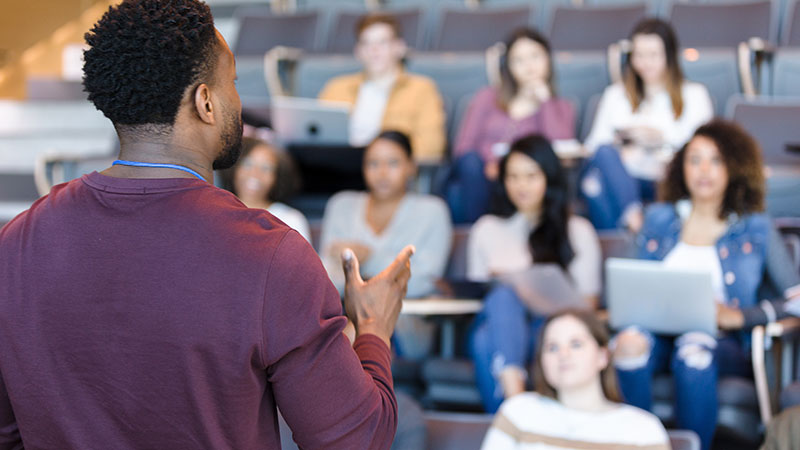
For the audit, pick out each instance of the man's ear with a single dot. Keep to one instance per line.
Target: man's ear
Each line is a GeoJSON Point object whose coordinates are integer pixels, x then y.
{"type": "Point", "coordinates": [203, 105]}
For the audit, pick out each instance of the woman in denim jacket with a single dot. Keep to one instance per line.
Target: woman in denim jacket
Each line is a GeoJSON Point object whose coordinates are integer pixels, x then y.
{"type": "Point", "coordinates": [714, 189]}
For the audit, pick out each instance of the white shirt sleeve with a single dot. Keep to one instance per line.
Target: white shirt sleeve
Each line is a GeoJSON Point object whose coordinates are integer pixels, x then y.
{"type": "Point", "coordinates": [585, 266]}
{"type": "Point", "coordinates": [335, 228]}
{"type": "Point", "coordinates": [697, 110]}
{"type": "Point", "coordinates": [477, 258]}
{"type": "Point", "coordinates": [611, 106]}
{"type": "Point", "coordinates": [432, 249]}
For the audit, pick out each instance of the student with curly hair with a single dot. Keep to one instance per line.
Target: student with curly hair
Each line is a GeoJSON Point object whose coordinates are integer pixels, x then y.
{"type": "Point", "coordinates": [265, 177]}
{"type": "Point", "coordinates": [142, 307]}
{"type": "Point", "coordinates": [711, 219]}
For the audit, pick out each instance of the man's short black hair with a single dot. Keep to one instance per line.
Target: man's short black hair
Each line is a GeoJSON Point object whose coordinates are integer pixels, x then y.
{"type": "Point", "coordinates": [144, 54]}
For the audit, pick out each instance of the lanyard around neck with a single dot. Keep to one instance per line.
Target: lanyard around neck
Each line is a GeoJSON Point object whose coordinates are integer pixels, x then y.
{"type": "Point", "coordinates": [123, 162]}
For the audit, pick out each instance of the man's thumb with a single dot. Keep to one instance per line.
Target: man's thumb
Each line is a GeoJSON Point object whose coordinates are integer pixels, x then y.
{"type": "Point", "coordinates": [350, 266]}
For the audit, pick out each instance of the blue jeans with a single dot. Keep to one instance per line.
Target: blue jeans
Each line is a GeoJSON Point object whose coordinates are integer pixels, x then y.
{"type": "Point", "coordinates": [503, 335]}
{"type": "Point", "coordinates": [467, 191]}
{"type": "Point", "coordinates": [696, 361]}
{"type": "Point", "coordinates": [609, 190]}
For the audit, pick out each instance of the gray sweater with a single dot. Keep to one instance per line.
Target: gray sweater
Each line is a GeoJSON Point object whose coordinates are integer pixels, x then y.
{"type": "Point", "coordinates": [421, 220]}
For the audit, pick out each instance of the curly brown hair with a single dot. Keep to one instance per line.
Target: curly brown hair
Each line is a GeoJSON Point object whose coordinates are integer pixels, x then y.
{"type": "Point", "coordinates": [742, 157]}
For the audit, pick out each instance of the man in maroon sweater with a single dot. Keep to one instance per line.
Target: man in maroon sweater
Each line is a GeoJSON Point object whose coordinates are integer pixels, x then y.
{"type": "Point", "coordinates": [142, 307]}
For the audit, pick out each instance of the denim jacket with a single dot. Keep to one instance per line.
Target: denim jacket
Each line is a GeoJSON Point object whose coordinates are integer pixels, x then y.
{"type": "Point", "coordinates": [750, 252]}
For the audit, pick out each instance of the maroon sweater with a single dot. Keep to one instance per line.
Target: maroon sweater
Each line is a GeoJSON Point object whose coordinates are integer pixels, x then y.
{"type": "Point", "coordinates": [162, 313]}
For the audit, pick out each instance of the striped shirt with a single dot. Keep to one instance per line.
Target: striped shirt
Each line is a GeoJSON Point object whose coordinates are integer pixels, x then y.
{"type": "Point", "coordinates": [530, 421]}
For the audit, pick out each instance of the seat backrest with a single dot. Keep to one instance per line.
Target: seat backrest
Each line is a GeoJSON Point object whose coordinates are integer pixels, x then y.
{"type": "Point", "coordinates": [251, 82]}
{"type": "Point", "coordinates": [593, 28]}
{"type": "Point", "coordinates": [342, 38]}
{"type": "Point", "coordinates": [467, 30]}
{"type": "Point", "coordinates": [457, 264]}
{"type": "Point", "coordinates": [683, 440]}
{"type": "Point", "coordinates": [786, 72]}
{"type": "Point", "coordinates": [774, 125]}
{"type": "Point", "coordinates": [722, 24]}
{"type": "Point", "coordinates": [313, 71]}
{"type": "Point", "coordinates": [260, 30]}
{"type": "Point", "coordinates": [716, 69]}
{"type": "Point", "coordinates": [580, 75]}
{"type": "Point", "coordinates": [791, 27]}
{"type": "Point", "coordinates": [456, 75]}
{"type": "Point", "coordinates": [456, 431]}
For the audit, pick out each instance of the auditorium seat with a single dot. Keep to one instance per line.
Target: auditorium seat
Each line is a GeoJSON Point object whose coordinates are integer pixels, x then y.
{"type": "Point", "coordinates": [579, 75]}
{"type": "Point", "coordinates": [599, 26]}
{"type": "Point", "coordinates": [470, 30]}
{"type": "Point", "coordinates": [791, 26]}
{"type": "Point", "coordinates": [250, 82]}
{"type": "Point", "coordinates": [260, 30]}
{"type": "Point", "coordinates": [722, 24]}
{"type": "Point", "coordinates": [342, 38]}
{"type": "Point", "coordinates": [313, 71]}
{"type": "Point", "coordinates": [773, 122]}
{"type": "Point", "coordinates": [786, 72]}
{"type": "Point", "coordinates": [716, 69]}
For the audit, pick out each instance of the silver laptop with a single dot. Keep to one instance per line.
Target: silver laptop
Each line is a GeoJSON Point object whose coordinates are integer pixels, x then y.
{"type": "Point", "coordinates": [299, 120]}
{"type": "Point", "coordinates": [659, 299]}
{"type": "Point", "coordinates": [545, 289]}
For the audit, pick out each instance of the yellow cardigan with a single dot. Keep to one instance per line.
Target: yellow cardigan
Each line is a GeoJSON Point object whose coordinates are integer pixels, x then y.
{"type": "Point", "coordinates": [414, 107]}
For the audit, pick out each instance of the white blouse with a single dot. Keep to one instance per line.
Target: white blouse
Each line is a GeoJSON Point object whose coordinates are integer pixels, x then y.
{"type": "Point", "coordinates": [530, 421]}
{"type": "Point", "coordinates": [498, 245]}
{"type": "Point", "coordinates": [615, 112]}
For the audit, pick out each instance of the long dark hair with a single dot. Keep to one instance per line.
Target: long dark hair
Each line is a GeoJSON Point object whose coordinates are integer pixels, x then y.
{"type": "Point", "coordinates": [634, 86]}
{"type": "Point", "coordinates": [599, 332]}
{"type": "Point", "coordinates": [508, 85]}
{"type": "Point", "coordinates": [548, 241]}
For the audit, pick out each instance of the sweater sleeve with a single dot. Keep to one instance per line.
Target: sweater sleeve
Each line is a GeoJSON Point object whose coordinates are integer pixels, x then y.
{"type": "Point", "coordinates": [334, 228]}
{"type": "Point", "coordinates": [477, 260]}
{"type": "Point", "coordinates": [780, 272]}
{"type": "Point", "coordinates": [332, 395]}
{"type": "Point", "coordinates": [602, 132]}
{"type": "Point", "coordinates": [585, 266]}
{"type": "Point", "coordinates": [471, 126]}
{"type": "Point", "coordinates": [433, 248]}
{"type": "Point", "coordinates": [427, 135]}
{"type": "Point", "coordinates": [558, 119]}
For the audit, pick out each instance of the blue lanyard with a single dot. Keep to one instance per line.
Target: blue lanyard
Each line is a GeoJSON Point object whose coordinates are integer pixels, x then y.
{"type": "Point", "coordinates": [122, 162]}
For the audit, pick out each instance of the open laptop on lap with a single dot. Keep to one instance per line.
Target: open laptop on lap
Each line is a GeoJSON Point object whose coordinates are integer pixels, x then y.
{"type": "Point", "coordinates": [306, 121]}
{"type": "Point", "coordinates": [659, 299]}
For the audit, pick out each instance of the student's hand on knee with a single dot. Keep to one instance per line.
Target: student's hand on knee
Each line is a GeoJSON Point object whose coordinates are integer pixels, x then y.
{"type": "Point", "coordinates": [374, 306]}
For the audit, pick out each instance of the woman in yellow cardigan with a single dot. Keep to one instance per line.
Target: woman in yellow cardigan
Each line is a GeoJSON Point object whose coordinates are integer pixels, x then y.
{"type": "Point", "coordinates": [384, 96]}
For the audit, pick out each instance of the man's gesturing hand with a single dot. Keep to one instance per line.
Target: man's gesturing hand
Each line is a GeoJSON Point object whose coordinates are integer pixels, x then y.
{"type": "Point", "coordinates": [373, 306]}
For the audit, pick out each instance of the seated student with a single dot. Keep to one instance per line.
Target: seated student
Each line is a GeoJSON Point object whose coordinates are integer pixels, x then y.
{"type": "Point", "coordinates": [639, 124]}
{"type": "Point", "coordinates": [523, 104]}
{"type": "Point", "coordinates": [384, 96]}
{"type": "Point", "coordinates": [576, 404]}
{"type": "Point", "coordinates": [385, 218]}
{"type": "Point", "coordinates": [712, 220]}
{"type": "Point", "coordinates": [532, 225]}
{"type": "Point", "coordinates": [263, 178]}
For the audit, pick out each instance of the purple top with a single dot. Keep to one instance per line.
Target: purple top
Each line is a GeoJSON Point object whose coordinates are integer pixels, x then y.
{"type": "Point", "coordinates": [486, 124]}
{"type": "Point", "coordinates": [162, 313]}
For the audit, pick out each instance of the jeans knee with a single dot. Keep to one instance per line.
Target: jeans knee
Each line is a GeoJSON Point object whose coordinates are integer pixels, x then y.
{"type": "Point", "coordinates": [695, 350]}
{"type": "Point", "coordinates": [469, 163]}
{"type": "Point", "coordinates": [631, 348]}
{"type": "Point", "coordinates": [502, 299]}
